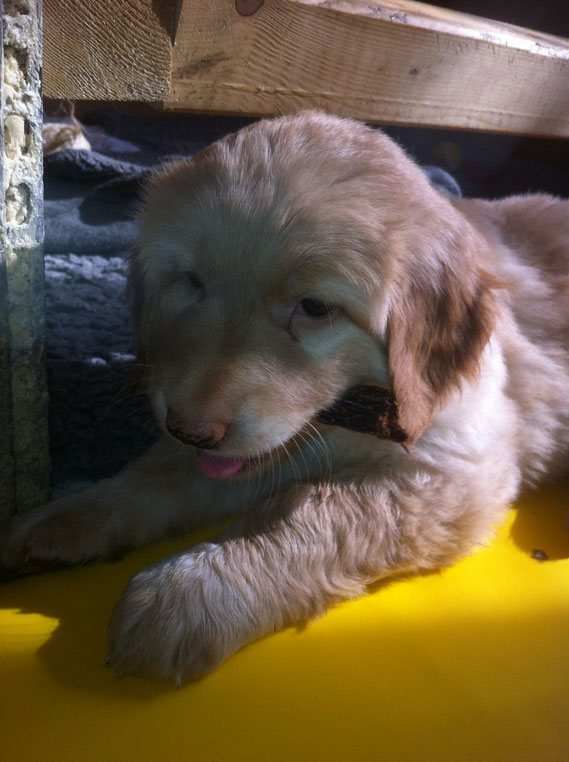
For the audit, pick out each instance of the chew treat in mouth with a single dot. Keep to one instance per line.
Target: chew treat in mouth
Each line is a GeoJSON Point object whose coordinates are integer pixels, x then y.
{"type": "Point", "coordinates": [367, 409]}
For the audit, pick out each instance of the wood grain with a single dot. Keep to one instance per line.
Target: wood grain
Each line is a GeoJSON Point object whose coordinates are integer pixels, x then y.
{"type": "Point", "coordinates": [399, 62]}
{"type": "Point", "coordinates": [107, 49]}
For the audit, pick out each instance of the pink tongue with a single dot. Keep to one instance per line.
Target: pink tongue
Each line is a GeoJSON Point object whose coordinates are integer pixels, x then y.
{"type": "Point", "coordinates": [219, 468]}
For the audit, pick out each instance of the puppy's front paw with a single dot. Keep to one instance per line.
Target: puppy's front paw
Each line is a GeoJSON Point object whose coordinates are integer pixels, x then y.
{"type": "Point", "coordinates": [65, 532]}
{"type": "Point", "coordinates": [179, 619]}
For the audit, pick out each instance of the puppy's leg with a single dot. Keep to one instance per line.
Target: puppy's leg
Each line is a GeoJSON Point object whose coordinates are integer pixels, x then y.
{"type": "Point", "coordinates": [159, 493]}
{"type": "Point", "coordinates": [283, 563]}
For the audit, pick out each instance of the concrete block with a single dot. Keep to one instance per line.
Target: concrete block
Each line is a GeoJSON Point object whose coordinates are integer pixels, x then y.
{"type": "Point", "coordinates": [24, 449]}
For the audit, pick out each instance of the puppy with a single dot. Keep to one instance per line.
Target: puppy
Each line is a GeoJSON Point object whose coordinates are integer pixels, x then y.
{"type": "Point", "coordinates": [275, 270]}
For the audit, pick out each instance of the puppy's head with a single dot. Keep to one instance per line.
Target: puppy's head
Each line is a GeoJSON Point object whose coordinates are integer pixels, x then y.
{"type": "Point", "coordinates": [285, 264]}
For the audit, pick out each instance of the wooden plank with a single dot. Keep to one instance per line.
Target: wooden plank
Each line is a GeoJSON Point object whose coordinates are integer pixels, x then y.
{"type": "Point", "coordinates": [400, 62]}
{"type": "Point", "coordinates": [108, 49]}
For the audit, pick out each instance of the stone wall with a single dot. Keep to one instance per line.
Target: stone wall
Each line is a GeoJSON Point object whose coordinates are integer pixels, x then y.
{"type": "Point", "coordinates": [24, 451]}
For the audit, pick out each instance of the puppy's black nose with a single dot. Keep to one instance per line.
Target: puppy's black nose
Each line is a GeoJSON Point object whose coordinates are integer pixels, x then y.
{"type": "Point", "coordinates": [201, 433]}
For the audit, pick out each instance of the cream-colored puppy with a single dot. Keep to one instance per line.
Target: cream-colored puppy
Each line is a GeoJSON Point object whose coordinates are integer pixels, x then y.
{"type": "Point", "coordinates": [275, 270]}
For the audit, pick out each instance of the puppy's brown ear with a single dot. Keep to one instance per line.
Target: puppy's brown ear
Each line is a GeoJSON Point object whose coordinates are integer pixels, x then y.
{"type": "Point", "coordinates": [440, 322]}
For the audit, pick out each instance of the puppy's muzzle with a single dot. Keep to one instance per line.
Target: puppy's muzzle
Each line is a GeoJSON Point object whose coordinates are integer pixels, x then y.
{"type": "Point", "coordinates": [204, 434]}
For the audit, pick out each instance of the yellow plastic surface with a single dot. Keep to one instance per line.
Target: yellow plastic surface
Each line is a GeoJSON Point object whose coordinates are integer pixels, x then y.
{"type": "Point", "coordinates": [468, 664]}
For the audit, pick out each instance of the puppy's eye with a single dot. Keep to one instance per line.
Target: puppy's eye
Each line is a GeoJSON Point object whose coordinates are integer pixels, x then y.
{"type": "Point", "coordinates": [194, 281]}
{"type": "Point", "coordinates": [314, 308]}
{"type": "Point", "coordinates": [183, 289]}
{"type": "Point", "coordinates": [194, 285]}
{"type": "Point", "coordinates": [308, 312]}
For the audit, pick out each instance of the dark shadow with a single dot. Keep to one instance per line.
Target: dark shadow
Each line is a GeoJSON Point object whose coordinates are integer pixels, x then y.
{"type": "Point", "coordinates": [82, 599]}
{"type": "Point", "coordinates": [167, 12]}
{"type": "Point", "coordinates": [542, 522]}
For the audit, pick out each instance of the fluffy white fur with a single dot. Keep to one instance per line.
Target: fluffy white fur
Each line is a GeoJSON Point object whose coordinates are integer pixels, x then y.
{"type": "Point", "coordinates": [460, 306]}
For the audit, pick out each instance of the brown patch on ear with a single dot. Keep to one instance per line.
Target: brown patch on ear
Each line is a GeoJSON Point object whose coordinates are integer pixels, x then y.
{"type": "Point", "coordinates": [437, 331]}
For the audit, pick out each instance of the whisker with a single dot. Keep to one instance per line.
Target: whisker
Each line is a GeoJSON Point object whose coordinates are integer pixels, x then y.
{"type": "Point", "coordinates": [123, 408]}
{"type": "Point", "coordinates": [319, 440]}
{"type": "Point", "coordinates": [146, 419]}
{"type": "Point", "coordinates": [142, 439]}
{"type": "Point", "coordinates": [280, 475]}
{"type": "Point", "coordinates": [258, 469]}
{"type": "Point", "coordinates": [272, 474]}
{"type": "Point", "coordinates": [296, 474]}
{"type": "Point", "coordinates": [299, 448]}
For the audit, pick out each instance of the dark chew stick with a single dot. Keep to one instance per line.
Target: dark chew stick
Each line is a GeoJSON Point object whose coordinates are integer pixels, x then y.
{"type": "Point", "coordinates": [367, 409]}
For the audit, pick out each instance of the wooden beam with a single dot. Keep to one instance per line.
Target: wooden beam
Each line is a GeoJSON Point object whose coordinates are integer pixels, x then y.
{"type": "Point", "coordinates": [115, 50]}
{"type": "Point", "coordinates": [400, 62]}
